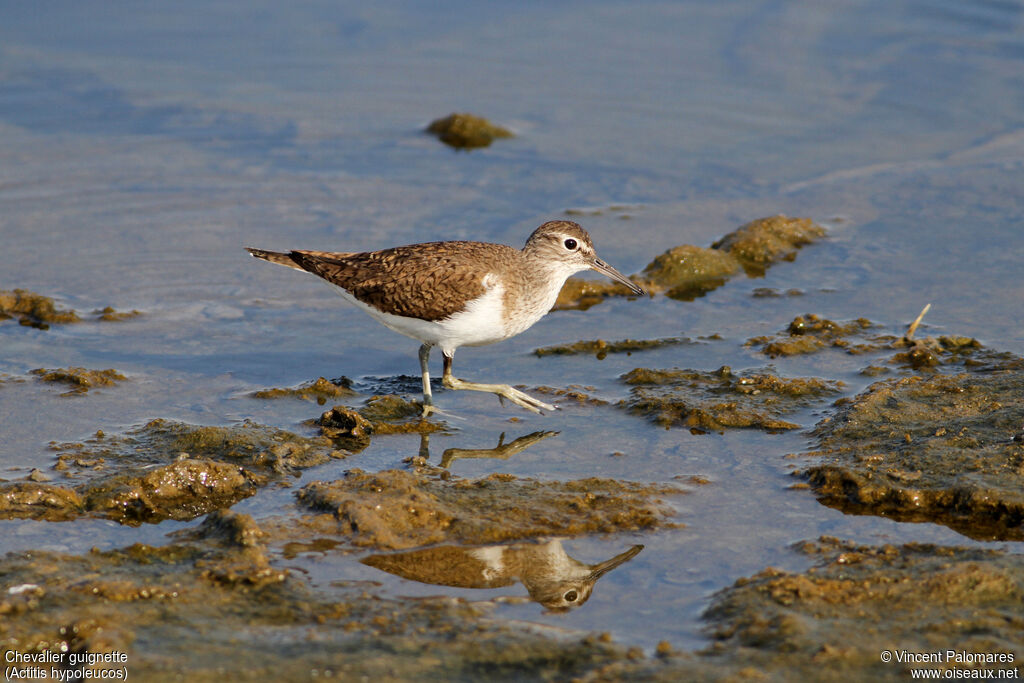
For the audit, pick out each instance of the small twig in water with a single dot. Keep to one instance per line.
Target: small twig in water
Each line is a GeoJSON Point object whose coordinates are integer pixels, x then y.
{"type": "Point", "coordinates": [909, 336]}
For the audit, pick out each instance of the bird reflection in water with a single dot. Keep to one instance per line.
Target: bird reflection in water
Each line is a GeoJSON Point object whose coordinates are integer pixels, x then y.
{"type": "Point", "coordinates": [552, 578]}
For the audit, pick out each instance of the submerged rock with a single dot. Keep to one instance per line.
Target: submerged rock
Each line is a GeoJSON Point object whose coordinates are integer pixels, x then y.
{"type": "Point", "coordinates": [465, 131]}
{"type": "Point", "coordinates": [714, 401]}
{"type": "Point", "coordinates": [686, 271]}
{"type": "Point", "coordinates": [395, 509]}
{"type": "Point", "coordinates": [939, 449]}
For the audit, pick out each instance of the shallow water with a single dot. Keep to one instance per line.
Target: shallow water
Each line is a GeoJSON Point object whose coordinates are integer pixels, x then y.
{"type": "Point", "coordinates": [142, 147]}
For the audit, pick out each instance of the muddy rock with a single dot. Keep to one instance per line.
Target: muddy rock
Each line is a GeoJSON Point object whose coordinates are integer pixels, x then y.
{"type": "Point", "coordinates": [466, 131]}
{"type": "Point", "coordinates": [714, 401]}
{"type": "Point", "coordinates": [395, 509]}
{"type": "Point", "coordinates": [939, 449]}
{"type": "Point", "coordinates": [80, 380]}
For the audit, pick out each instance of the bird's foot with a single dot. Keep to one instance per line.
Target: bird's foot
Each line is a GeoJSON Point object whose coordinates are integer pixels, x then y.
{"type": "Point", "coordinates": [520, 398]}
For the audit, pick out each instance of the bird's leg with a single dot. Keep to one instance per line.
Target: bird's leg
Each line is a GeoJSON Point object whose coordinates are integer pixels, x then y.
{"type": "Point", "coordinates": [501, 390]}
{"type": "Point", "coordinates": [428, 398]}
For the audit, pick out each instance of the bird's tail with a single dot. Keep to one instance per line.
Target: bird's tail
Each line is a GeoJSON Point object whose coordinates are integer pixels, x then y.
{"type": "Point", "coordinates": [278, 257]}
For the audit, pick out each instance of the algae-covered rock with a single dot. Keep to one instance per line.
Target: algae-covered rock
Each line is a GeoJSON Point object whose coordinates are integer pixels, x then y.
{"type": "Point", "coordinates": [809, 333]}
{"type": "Point", "coordinates": [714, 401]}
{"type": "Point", "coordinates": [319, 390]}
{"type": "Point", "coordinates": [395, 509]}
{"type": "Point", "coordinates": [465, 131]}
{"type": "Point", "coordinates": [685, 272]}
{"type": "Point", "coordinates": [80, 380]}
{"type": "Point", "coordinates": [38, 500]}
{"type": "Point", "coordinates": [601, 348]}
{"type": "Point", "coordinates": [765, 241]}
{"type": "Point", "coordinates": [108, 314]}
{"type": "Point", "coordinates": [34, 310]}
{"type": "Point", "coordinates": [939, 449]}
{"type": "Point", "coordinates": [164, 470]}
{"type": "Point", "coordinates": [183, 490]}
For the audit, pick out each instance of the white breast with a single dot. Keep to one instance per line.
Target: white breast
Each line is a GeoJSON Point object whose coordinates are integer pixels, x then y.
{"type": "Point", "coordinates": [482, 321]}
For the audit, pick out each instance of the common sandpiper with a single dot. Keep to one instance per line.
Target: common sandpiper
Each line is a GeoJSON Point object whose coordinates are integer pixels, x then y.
{"type": "Point", "coordinates": [457, 293]}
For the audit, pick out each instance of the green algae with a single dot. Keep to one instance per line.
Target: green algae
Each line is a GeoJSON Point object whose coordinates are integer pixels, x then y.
{"type": "Point", "coordinates": [466, 131]}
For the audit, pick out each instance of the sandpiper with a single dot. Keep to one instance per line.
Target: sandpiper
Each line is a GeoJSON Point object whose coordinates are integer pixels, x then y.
{"type": "Point", "coordinates": [453, 294]}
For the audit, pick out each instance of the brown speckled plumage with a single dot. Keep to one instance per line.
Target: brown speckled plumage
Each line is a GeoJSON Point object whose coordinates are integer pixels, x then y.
{"type": "Point", "coordinates": [452, 294]}
{"type": "Point", "coordinates": [433, 280]}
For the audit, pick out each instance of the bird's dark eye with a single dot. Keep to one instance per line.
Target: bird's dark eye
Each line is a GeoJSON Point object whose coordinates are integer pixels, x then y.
{"type": "Point", "coordinates": [571, 595]}
{"type": "Point", "coordinates": [570, 244]}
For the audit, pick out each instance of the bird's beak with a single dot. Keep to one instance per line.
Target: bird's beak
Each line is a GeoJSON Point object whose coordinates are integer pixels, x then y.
{"type": "Point", "coordinates": [603, 268]}
{"type": "Point", "coordinates": [600, 569]}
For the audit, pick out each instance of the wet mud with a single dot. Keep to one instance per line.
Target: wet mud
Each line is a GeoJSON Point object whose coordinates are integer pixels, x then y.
{"type": "Point", "coordinates": [714, 401]}
{"type": "Point", "coordinates": [944, 448]}
{"type": "Point", "coordinates": [686, 272]}
{"type": "Point", "coordinates": [214, 601]}
{"type": "Point", "coordinates": [833, 621]}
{"type": "Point", "coordinates": [398, 509]}
{"type": "Point", "coordinates": [466, 131]}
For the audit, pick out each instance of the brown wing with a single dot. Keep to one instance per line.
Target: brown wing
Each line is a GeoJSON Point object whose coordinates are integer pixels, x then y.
{"type": "Point", "coordinates": [427, 281]}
